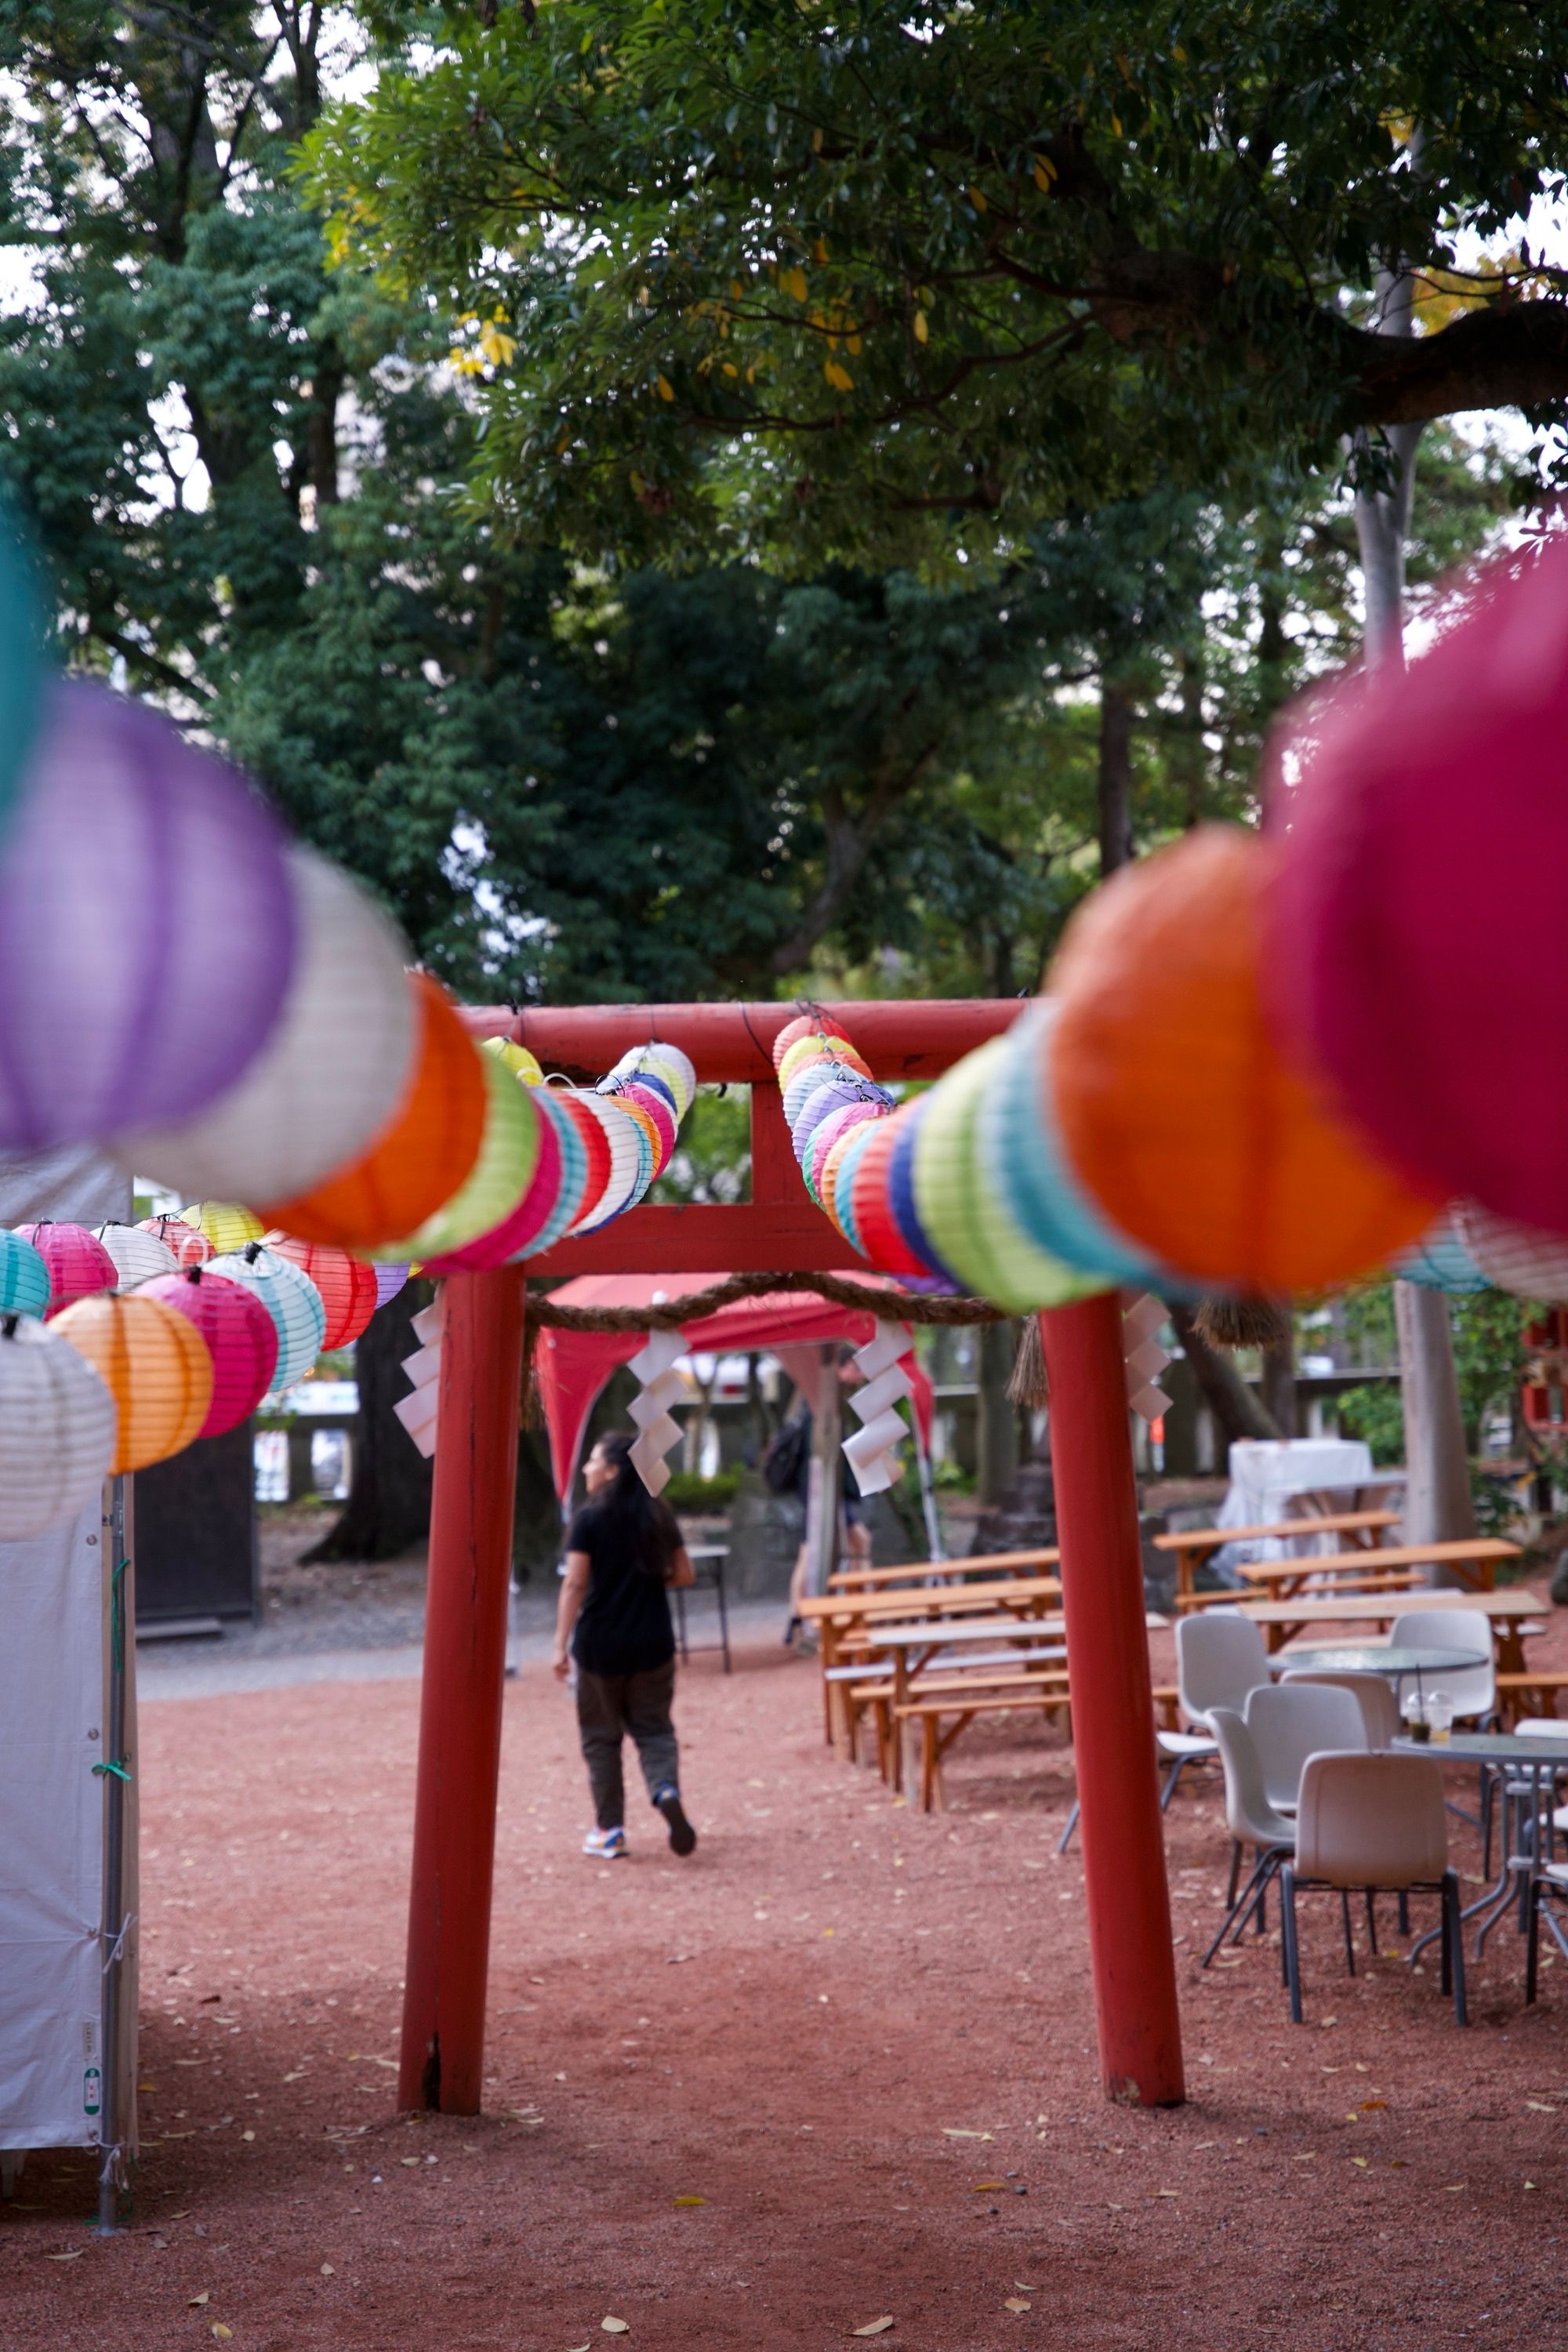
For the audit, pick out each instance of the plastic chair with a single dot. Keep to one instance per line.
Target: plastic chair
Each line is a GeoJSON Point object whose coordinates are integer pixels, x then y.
{"type": "Point", "coordinates": [1293, 1722]}
{"type": "Point", "coordinates": [1220, 1657]}
{"type": "Point", "coordinates": [1375, 1822]}
{"type": "Point", "coordinates": [1551, 1881]}
{"type": "Point", "coordinates": [1251, 1821]}
{"type": "Point", "coordinates": [1372, 1694]}
{"type": "Point", "coordinates": [1473, 1689]}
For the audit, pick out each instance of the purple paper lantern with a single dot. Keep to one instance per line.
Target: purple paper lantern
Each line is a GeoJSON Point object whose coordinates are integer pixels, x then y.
{"type": "Point", "coordinates": [389, 1281]}
{"type": "Point", "coordinates": [147, 927]}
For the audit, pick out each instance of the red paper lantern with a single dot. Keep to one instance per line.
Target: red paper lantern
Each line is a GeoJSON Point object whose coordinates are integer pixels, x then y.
{"type": "Point", "coordinates": [190, 1245]}
{"type": "Point", "coordinates": [347, 1285]}
{"type": "Point", "coordinates": [241, 1339]}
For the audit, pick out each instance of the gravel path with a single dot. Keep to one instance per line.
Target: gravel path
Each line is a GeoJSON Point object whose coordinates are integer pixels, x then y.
{"type": "Point", "coordinates": [836, 2069]}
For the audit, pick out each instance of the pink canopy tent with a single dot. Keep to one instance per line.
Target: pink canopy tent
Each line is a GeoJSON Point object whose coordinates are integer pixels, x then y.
{"type": "Point", "coordinates": [571, 1367]}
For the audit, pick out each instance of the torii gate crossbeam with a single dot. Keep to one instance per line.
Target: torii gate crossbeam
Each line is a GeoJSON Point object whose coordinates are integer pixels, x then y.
{"type": "Point", "coordinates": [779, 1230]}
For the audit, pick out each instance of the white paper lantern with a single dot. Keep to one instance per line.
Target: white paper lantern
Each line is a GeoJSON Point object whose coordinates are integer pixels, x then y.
{"type": "Point", "coordinates": [331, 1076]}
{"type": "Point", "coordinates": [1519, 1258]}
{"type": "Point", "coordinates": [138, 1254]}
{"type": "Point", "coordinates": [57, 1428]}
{"type": "Point", "coordinates": [290, 1296]}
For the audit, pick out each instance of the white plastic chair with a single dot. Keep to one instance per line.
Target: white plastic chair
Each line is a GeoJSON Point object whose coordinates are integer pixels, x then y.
{"type": "Point", "coordinates": [1220, 1657]}
{"type": "Point", "coordinates": [1251, 1821]}
{"type": "Point", "coordinates": [1375, 1822]}
{"type": "Point", "coordinates": [1372, 1694]}
{"type": "Point", "coordinates": [1293, 1722]}
{"type": "Point", "coordinates": [1473, 1689]}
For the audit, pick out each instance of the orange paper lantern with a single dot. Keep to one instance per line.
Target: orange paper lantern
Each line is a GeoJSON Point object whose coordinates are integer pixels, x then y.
{"type": "Point", "coordinates": [420, 1158]}
{"type": "Point", "coordinates": [1174, 1107]}
{"type": "Point", "coordinates": [155, 1364]}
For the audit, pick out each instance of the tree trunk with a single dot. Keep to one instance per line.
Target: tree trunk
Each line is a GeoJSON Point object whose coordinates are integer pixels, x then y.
{"type": "Point", "coordinates": [997, 1422]}
{"type": "Point", "coordinates": [1237, 1412]}
{"type": "Point", "coordinates": [1438, 1504]}
{"type": "Point", "coordinates": [1278, 1387]}
{"type": "Point", "coordinates": [388, 1507]}
{"type": "Point", "coordinates": [1115, 778]}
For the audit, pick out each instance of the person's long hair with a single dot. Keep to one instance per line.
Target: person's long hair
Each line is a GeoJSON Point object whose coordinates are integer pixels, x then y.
{"type": "Point", "coordinates": [635, 1525]}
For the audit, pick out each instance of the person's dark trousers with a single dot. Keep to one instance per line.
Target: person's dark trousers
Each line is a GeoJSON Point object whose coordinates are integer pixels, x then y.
{"type": "Point", "coordinates": [611, 1706]}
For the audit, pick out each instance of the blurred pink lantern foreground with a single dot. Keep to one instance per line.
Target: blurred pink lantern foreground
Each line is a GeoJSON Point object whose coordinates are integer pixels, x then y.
{"type": "Point", "coordinates": [1416, 924]}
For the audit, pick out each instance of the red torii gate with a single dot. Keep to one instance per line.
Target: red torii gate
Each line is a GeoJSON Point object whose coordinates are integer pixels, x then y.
{"type": "Point", "coordinates": [779, 1230]}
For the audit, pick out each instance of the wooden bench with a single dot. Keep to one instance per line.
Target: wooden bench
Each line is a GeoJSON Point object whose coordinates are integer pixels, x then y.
{"type": "Point", "coordinates": [878, 1696]}
{"type": "Point", "coordinates": [1285, 1580]}
{"type": "Point", "coordinates": [1049, 1698]}
{"type": "Point", "coordinates": [1526, 1693]}
{"type": "Point", "coordinates": [937, 1572]}
{"type": "Point", "coordinates": [1193, 1548]}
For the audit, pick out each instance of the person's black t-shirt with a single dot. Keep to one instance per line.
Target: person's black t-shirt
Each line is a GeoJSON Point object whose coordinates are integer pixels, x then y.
{"type": "Point", "coordinates": [625, 1626]}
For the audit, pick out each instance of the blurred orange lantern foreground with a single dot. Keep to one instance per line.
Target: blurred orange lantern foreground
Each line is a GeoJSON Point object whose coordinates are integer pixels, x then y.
{"type": "Point", "coordinates": [1174, 1105]}
{"type": "Point", "coordinates": [154, 1365]}
{"type": "Point", "coordinates": [422, 1155]}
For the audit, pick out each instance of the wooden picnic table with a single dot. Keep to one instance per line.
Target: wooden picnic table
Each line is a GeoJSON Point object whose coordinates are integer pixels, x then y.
{"type": "Point", "coordinates": [1281, 1620]}
{"type": "Point", "coordinates": [1196, 1546]}
{"type": "Point", "coordinates": [839, 1615]}
{"type": "Point", "coordinates": [851, 1580]}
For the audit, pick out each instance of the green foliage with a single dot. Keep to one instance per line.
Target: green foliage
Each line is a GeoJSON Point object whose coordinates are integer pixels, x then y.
{"type": "Point", "coordinates": [1375, 1413]}
{"type": "Point", "coordinates": [1489, 1356]}
{"type": "Point", "coordinates": [686, 1491]}
{"type": "Point", "coordinates": [889, 285]}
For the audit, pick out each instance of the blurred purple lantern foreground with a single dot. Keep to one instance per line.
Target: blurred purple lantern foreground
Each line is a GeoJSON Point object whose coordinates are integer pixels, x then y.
{"type": "Point", "coordinates": [146, 927]}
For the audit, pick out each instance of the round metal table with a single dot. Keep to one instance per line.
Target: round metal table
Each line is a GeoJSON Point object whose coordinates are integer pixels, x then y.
{"type": "Point", "coordinates": [1376, 1658]}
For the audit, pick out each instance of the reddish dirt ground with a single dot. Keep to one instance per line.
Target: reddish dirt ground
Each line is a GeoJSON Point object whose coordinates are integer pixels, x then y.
{"type": "Point", "coordinates": [795, 2028]}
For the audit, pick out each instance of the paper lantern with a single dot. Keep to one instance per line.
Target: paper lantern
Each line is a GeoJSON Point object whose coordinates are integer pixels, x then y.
{"type": "Point", "coordinates": [56, 1430]}
{"type": "Point", "coordinates": [78, 1262]}
{"type": "Point", "coordinates": [389, 1281]}
{"type": "Point", "coordinates": [806, 1025]}
{"type": "Point", "coordinates": [238, 1332]}
{"type": "Point", "coordinates": [578, 1104]}
{"type": "Point", "coordinates": [662, 1116]}
{"type": "Point", "coordinates": [24, 1276]}
{"type": "Point", "coordinates": [901, 1198]}
{"type": "Point", "coordinates": [1417, 940]}
{"type": "Point", "coordinates": [347, 1285]}
{"type": "Point", "coordinates": [499, 1176]}
{"type": "Point", "coordinates": [1439, 1261]}
{"type": "Point", "coordinates": [188, 1244]}
{"type": "Point", "coordinates": [838, 1180]}
{"type": "Point", "coordinates": [573, 1173]}
{"type": "Point", "coordinates": [331, 1075]}
{"type": "Point", "coordinates": [626, 1163]}
{"type": "Point", "coordinates": [1519, 1258]}
{"type": "Point", "coordinates": [517, 1058]}
{"type": "Point", "coordinates": [1024, 1153]}
{"type": "Point", "coordinates": [154, 1365]}
{"type": "Point", "coordinates": [828, 1133]}
{"type": "Point", "coordinates": [292, 1300]}
{"type": "Point", "coordinates": [138, 1254]}
{"type": "Point", "coordinates": [677, 1068]}
{"type": "Point", "coordinates": [961, 1209]}
{"type": "Point", "coordinates": [878, 1233]}
{"type": "Point", "coordinates": [423, 1155]}
{"type": "Point", "coordinates": [226, 1225]}
{"type": "Point", "coordinates": [1177, 1109]}
{"type": "Point", "coordinates": [147, 927]}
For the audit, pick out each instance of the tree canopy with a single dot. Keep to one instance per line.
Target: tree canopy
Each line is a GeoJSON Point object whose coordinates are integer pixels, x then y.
{"type": "Point", "coordinates": [875, 280]}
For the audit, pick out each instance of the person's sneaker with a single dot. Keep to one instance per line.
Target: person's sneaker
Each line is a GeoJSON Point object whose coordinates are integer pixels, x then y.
{"type": "Point", "coordinates": [605, 1845]}
{"type": "Point", "coordinates": [682, 1836]}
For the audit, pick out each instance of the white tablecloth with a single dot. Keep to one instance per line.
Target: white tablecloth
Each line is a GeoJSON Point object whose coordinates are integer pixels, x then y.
{"type": "Point", "coordinates": [1269, 1476]}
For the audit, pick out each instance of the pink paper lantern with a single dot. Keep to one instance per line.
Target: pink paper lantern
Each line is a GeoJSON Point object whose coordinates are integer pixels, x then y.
{"type": "Point", "coordinates": [78, 1262]}
{"type": "Point", "coordinates": [241, 1339]}
{"type": "Point", "coordinates": [1416, 922]}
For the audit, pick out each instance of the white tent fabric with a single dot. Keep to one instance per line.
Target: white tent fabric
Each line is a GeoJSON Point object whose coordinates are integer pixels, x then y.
{"type": "Point", "coordinates": [53, 1720]}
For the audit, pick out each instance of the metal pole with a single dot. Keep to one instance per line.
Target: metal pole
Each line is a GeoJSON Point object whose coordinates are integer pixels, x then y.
{"type": "Point", "coordinates": [460, 1703]}
{"type": "Point", "coordinates": [113, 1935]}
{"type": "Point", "coordinates": [1130, 1955]}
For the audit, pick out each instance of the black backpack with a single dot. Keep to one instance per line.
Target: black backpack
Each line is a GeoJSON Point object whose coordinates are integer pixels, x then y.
{"type": "Point", "coordinates": [786, 1456]}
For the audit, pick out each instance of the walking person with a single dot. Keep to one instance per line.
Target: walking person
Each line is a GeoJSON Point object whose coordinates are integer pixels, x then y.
{"type": "Point", "coordinates": [623, 1554]}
